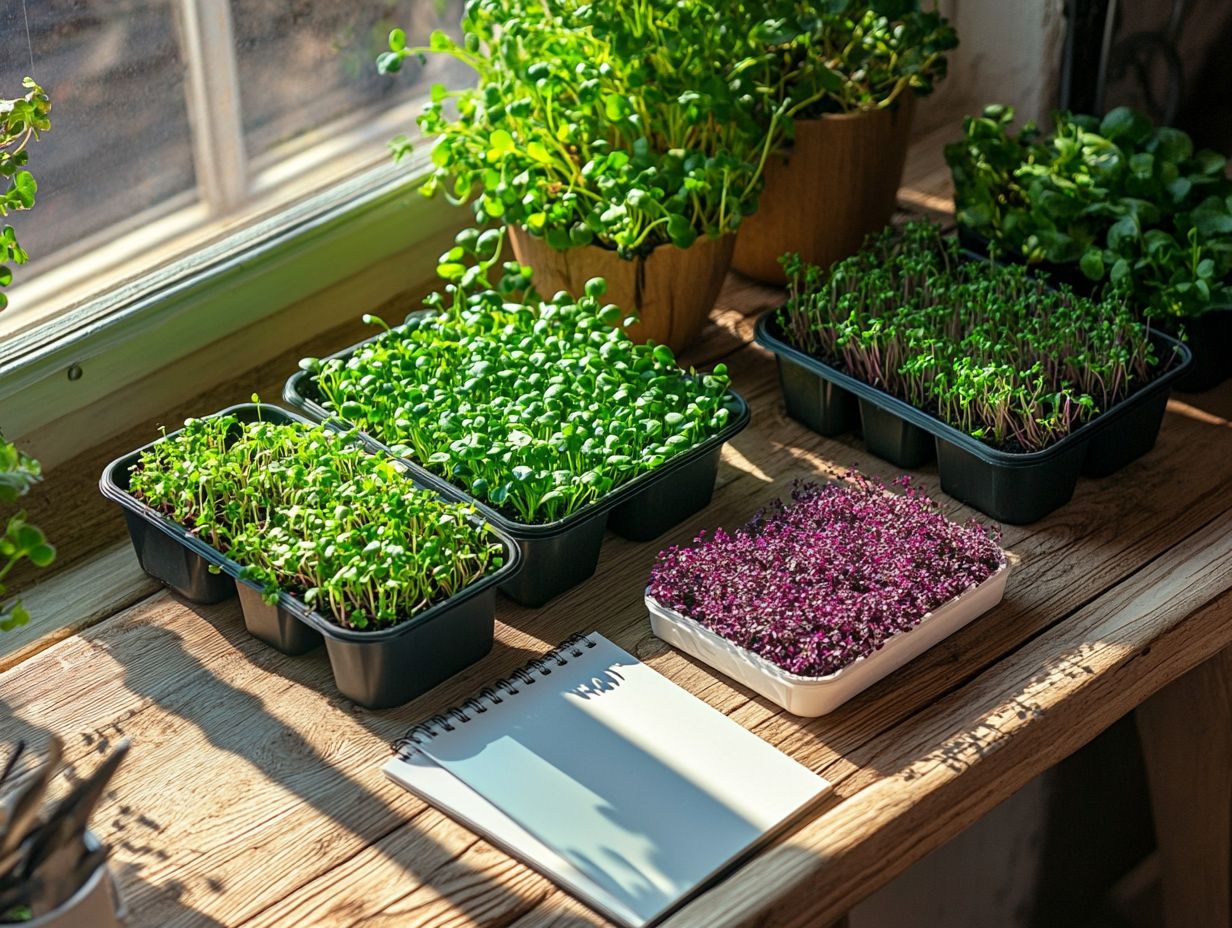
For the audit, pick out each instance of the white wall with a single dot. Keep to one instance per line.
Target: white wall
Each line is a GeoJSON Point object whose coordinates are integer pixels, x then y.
{"type": "Point", "coordinates": [1009, 52]}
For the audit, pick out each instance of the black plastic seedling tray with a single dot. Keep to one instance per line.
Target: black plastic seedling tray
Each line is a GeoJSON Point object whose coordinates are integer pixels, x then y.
{"type": "Point", "coordinates": [1013, 488]}
{"type": "Point", "coordinates": [1207, 336]}
{"type": "Point", "coordinates": [559, 555]}
{"type": "Point", "coordinates": [376, 669]}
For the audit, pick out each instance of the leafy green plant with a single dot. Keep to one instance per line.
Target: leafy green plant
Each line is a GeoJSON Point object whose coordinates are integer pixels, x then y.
{"type": "Point", "coordinates": [20, 540]}
{"type": "Point", "coordinates": [307, 511]}
{"type": "Point", "coordinates": [1128, 203]}
{"type": "Point", "coordinates": [629, 125]}
{"type": "Point", "coordinates": [536, 408]}
{"type": "Point", "coordinates": [846, 56]}
{"type": "Point", "coordinates": [21, 121]}
{"type": "Point", "coordinates": [990, 349]}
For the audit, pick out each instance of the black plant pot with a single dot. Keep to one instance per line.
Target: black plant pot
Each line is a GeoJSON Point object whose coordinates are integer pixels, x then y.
{"type": "Point", "coordinates": [1013, 488]}
{"type": "Point", "coordinates": [376, 669]}
{"type": "Point", "coordinates": [1209, 338]}
{"type": "Point", "coordinates": [559, 555]}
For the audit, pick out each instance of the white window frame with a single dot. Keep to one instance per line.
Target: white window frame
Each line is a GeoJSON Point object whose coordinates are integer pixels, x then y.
{"type": "Point", "coordinates": [98, 329]}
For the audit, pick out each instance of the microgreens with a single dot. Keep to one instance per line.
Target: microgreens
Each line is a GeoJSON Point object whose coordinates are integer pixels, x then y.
{"type": "Point", "coordinates": [20, 540]}
{"type": "Point", "coordinates": [628, 124]}
{"type": "Point", "coordinates": [1127, 202]}
{"type": "Point", "coordinates": [21, 121]}
{"type": "Point", "coordinates": [989, 349]}
{"type": "Point", "coordinates": [815, 585]}
{"type": "Point", "coordinates": [847, 56]}
{"type": "Point", "coordinates": [535, 408]}
{"type": "Point", "coordinates": [306, 511]}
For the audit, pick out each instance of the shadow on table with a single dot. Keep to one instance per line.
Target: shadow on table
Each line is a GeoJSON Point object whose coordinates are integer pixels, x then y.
{"type": "Point", "coordinates": [237, 722]}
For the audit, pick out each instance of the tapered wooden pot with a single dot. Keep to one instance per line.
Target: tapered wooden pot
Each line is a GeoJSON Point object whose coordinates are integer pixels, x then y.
{"type": "Point", "coordinates": [833, 186]}
{"type": "Point", "coordinates": [671, 289]}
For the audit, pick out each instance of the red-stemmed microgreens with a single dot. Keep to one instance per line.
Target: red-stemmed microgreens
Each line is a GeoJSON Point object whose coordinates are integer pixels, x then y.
{"type": "Point", "coordinates": [826, 580]}
{"type": "Point", "coordinates": [535, 408]}
{"type": "Point", "coordinates": [305, 510]}
{"type": "Point", "coordinates": [990, 349]}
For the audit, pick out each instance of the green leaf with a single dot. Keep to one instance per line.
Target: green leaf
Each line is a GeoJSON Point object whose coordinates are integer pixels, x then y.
{"type": "Point", "coordinates": [500, 144]}
{"type": "Point", "coordinates": [615, 107]}
{"type": "Point", "coordinates": [680, 231]}
{"type": "Point", "coordinates": [397, 40]}
{"type": "Point", "coordinates": [539, 152]}
{"type": "Point", "coordinates": [1092, 263]}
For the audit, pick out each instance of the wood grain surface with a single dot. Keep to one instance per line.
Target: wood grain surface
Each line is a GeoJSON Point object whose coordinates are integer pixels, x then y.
{"type": "Point", "coordinates": [253, 797]}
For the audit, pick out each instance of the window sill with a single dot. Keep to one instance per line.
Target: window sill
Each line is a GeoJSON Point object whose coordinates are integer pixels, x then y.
{"type": "Point", "coordinates": [74, 369]}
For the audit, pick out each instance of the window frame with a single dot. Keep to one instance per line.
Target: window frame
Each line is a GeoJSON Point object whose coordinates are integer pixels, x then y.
{"type": "Point", "coordinates": [110, 343]}
{"type": "Point", "coordinates": [210, 268]}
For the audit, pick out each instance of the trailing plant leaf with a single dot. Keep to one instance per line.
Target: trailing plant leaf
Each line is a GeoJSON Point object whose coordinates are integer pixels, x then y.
{"type": "Point", "coordinates": [307, 511]}
{"type": "Point", "coordinates": [1129, 203]}
{"type": "Point", "coordinates": [21, 121]}
{"type": "Point", "coordinates": [990, 349]}
{"type": "Point", "coordinates": [534, 407]}
{"type": "Point", "coordinates": [20, 540]}
{"type": "Point", "coordinates": [817, 584]}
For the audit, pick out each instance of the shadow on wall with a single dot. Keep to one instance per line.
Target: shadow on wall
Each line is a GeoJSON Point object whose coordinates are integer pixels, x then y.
{"type": "Point", "coordinates": [1045, 858]}
{"type": "Point", "coordinates": [1206, 113]}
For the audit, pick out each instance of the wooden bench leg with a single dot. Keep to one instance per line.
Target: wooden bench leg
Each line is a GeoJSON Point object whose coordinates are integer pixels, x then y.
{"type": "Point", "coordinates": [1186, 732]}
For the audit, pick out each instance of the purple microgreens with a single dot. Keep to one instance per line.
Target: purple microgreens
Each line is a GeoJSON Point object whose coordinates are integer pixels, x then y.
{"type": "Point", "coordinates": [816, 584]}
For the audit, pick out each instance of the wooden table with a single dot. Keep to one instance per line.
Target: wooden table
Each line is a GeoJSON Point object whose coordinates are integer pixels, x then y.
{"type": "Point", "coordinates": [253, 796]}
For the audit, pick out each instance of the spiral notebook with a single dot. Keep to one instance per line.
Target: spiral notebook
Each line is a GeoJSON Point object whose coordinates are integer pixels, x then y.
{"type": "Point", "coordinates": [624, 789]}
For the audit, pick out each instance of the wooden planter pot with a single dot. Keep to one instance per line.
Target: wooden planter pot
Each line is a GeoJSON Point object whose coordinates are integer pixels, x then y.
{"type": "Point", "coordinates": [835, 185]}
{"type": "Point", "coordinates": [671, 289]}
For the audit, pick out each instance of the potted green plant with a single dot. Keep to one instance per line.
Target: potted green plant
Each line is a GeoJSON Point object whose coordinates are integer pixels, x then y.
{"type": "Point", "coordinates": [53, 871]}
{"type": "Point", "coordinates": [615, 140]}
{"type": "Point", "coordinates": [21, 121]}
{"type": "Point", "coordinates": [1015, 387]}
{"type": "Point", "coordinates": [545, 413]}
{"type": "Point", "coordinates": [322, 540]}
{"type": "Point", "coordinates": [1108, 201]}
{"type": "Point", "coordinates": [839, 81]}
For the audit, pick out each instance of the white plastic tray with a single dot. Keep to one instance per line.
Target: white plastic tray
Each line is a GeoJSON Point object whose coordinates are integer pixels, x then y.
{"type": "Point", "coordinates": [813, 696]}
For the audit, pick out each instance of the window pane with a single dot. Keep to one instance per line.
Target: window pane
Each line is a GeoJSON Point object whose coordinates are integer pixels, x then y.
{"type": "Point", "coordinates": [310, 64]}
{"type": "Point", "coordinates": [120, 143]}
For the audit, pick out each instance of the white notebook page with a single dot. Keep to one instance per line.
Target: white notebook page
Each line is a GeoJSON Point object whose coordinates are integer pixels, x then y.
{"type": "Point", "coordinates": [637, 791]}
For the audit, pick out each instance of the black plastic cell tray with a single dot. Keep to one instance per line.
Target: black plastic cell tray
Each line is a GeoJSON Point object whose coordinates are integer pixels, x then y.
{"type": "Point", "coordinates": [559, 555]}
{"type": "Point", "coordinates": [377, 669]}
{"type": "Point", "coordinates": [1013, 488]}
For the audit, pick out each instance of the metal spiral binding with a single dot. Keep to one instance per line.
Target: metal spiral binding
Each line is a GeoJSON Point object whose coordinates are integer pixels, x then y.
{"type": "Point", "coordinates": [490, 696]}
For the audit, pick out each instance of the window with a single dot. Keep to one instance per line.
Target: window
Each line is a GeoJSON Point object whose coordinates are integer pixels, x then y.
{"type": "Point", "coordinates": [179, 122]}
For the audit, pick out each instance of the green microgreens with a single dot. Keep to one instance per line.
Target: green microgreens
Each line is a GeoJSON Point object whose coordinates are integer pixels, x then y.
{"type": "Point", "coordinates": [1126, 202]}
{"type": "Point", "coordinates": [846, 56]}
{"type": "Point", "coordinates": [989, 349]}
{"type": "Point", "coordinates": [535, 408]}
{"type": "Point", "coordinates": [629, 124]}
{"type": "Point", "coordinates": [306, 511]}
